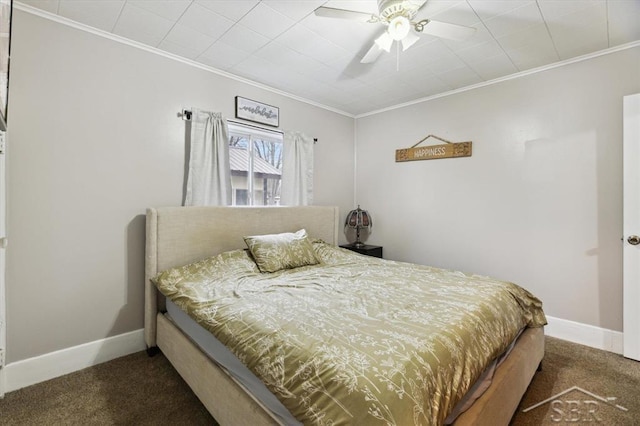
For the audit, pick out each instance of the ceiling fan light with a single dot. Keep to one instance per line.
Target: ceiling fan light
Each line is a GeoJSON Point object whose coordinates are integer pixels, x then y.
{"type": "Point", "coordinates": [384, 42]}
{"type": "Point", "coordinates": [409, 41]}
{"type": "Point", "coordinates": [399, 27]}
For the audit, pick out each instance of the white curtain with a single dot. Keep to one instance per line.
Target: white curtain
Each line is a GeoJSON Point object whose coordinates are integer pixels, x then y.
{"type": "Point", "coordinates": [209, 175]}
{"type": "Point", "coordinates": [297, 170]}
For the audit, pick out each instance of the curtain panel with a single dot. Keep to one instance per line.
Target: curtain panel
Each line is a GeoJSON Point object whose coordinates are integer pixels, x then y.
{"type": "Point", "coordinates": [209, 174]}
{"type": "Point", "coordinates": [297, 170]}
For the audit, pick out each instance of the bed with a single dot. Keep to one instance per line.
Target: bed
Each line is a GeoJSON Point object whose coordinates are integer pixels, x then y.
{"type": "Point", "coordinates": [178, 236]}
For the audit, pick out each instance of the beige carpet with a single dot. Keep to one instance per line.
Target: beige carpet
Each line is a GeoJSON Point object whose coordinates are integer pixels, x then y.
{"type": "Point", "coordinates": [603, 374]}
{"type": "Point", "coordinates": [138, 390]}
{"type": "Point", "coordinates": [132, 390]}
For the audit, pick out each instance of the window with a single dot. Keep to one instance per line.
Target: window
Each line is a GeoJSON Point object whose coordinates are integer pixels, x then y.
{"type": "Point", "coordinates": [255, 157]}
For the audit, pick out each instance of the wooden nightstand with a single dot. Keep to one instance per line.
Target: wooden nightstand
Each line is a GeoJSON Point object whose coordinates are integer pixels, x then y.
{"type": "Point", "coordinates": [369, 250]}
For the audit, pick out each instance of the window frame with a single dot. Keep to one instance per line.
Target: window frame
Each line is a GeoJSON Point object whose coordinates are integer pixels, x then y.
{"type": "Point", "coordinates": [254, 134]}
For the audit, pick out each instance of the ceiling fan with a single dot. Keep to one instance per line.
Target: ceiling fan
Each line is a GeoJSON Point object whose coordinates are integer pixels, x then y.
{"type": "Point", "coordinates": [398, 16]}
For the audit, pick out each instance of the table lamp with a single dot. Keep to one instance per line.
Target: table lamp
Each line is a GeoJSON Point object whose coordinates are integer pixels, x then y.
{"type": "Point", "coordinates": [358, 219]}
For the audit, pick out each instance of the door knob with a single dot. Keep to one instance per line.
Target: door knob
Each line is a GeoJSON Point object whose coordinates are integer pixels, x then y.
{"type": "Point", "coordinates": [634, 240]}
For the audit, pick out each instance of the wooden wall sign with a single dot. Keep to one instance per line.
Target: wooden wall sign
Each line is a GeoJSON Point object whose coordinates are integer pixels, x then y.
{"type": "Point", "coordinates": [433, 152]}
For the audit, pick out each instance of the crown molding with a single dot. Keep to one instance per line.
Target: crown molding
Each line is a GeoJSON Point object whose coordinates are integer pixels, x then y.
{"type": "Point", "coordinates": [521, 74]}
{"type": "Point", "coordinates": [68, 22]}
{"type": "Point", "coordinates": [101, 33]}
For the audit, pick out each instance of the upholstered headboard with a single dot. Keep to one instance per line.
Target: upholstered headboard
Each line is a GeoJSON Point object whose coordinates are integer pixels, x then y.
{"type": "Point", "coordinates": [180, 235]}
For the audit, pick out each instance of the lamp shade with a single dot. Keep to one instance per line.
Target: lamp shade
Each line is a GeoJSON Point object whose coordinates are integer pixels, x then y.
{"type": "Point", "coordinates": [384, 42]}
{"type": "Point", "coordinates": [358, 219]}
{"type": "Point", "coordinates": [399, 27]}
{"type": "Point", "coordinates": [409, 41]}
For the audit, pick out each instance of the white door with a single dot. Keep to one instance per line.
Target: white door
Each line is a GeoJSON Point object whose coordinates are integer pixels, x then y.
{"type": "Point", "coordinates": [3, 241]}
{"type": "Point", "coordinates": [631, 227]}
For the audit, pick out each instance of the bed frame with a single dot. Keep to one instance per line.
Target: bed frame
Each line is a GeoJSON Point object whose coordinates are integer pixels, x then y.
{"type": "Point", "coordinates": [180, 235]}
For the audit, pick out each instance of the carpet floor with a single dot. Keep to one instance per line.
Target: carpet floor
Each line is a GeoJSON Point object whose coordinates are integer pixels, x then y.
{"type": "Point", "coordinates": [606, 388]}
{"type": "Point", "coordinates": [138, 390]}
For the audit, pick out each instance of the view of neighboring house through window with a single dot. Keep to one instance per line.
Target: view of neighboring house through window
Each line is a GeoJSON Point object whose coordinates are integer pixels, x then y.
{"type": "Point", "coordinates": [255, 156]}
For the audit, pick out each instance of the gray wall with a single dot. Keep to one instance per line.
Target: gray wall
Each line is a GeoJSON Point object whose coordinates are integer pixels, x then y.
{"type": "Point", "coordinates": [94, 140]}
{"type": "Point", "coordinates": [538, 203]}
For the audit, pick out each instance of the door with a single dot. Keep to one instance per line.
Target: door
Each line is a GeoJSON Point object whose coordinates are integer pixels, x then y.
{"type": "Point", "coordinates": [3, 241]}
{"type": "Point", "coordinates": [631, 227]}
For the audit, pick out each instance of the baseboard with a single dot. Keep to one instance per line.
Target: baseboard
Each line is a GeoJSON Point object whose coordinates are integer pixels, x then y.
{"type": "Point", "coordinates": [584, 334]}
{"type": "Point", "coordinates": [48, 366]}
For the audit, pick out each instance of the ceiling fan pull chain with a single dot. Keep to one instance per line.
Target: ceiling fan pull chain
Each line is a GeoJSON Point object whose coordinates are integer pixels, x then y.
{"type": "Point", "coordinates": [397, 57]}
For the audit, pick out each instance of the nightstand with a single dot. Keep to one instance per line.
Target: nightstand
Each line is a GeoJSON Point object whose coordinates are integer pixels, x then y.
{"type": "Point", "coordinates": [369, 250]}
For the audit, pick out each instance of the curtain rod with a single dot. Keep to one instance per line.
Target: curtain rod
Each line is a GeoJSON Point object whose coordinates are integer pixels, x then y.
{"type": "Point", "coordinates": [185, 114]}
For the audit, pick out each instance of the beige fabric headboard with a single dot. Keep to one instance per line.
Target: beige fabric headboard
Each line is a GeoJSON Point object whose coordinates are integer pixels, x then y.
{"type": "Point", "coordinates": [180, 235]}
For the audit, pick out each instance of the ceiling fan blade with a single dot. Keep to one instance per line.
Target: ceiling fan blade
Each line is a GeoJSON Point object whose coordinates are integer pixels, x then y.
{"type": "Point", "coordinates": [372, 55]}
{"type": "Point", "coordinates": [409, 40]}
{"type": "Point", "coordinates": [330, 12]}
{"type": "Point", "coordinates": [449, 31]}
{"type": "Point", "coordinates": [414, 4]}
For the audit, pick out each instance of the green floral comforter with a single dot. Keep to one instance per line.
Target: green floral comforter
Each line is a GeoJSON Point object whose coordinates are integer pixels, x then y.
{"type": "Point", "coordinates": [355, 339]}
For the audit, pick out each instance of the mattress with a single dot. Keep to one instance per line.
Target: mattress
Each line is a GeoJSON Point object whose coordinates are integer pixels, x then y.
{"type": "Point", "coordinates": [223, 357]}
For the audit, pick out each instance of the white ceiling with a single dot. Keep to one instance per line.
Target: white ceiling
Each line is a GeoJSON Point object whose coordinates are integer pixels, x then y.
{"type": "Point", "coordinates": [283, 45]}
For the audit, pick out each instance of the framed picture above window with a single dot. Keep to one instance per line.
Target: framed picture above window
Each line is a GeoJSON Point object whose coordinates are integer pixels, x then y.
{"type": "Point", "coordinates": [257, 112]}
